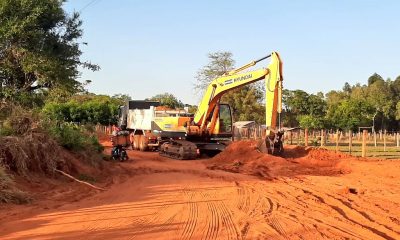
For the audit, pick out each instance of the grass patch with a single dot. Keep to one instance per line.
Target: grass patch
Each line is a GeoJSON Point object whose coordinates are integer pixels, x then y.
{"type": "Point", "coordinates": [391, 152]}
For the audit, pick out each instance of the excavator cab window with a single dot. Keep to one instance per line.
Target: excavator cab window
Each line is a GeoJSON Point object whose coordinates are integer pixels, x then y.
{"type": "Point", "coordinates": [225, 119]}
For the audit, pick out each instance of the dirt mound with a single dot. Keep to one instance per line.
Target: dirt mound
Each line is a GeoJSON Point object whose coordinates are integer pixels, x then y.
{"type": "Point", "coordinates": [244, 157]}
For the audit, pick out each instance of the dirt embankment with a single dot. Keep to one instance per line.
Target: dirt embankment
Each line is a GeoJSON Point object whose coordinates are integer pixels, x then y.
{"type": "Point", "coordinates": [244, 157]}
{"type": "Point", "coordinates": [28, 165]}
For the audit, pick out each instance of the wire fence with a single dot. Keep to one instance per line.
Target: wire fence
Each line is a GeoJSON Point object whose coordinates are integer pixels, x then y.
{"type": "Point", "coordinates": [366, 143]}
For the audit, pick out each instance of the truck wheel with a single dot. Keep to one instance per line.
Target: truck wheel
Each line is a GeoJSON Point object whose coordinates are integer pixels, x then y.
{"type": "Point", "coordinates": [136, 140]}
{"type": "Point", "coordinates": [131, 137]}
{"type": "Point", "coordinates": [143, 144]}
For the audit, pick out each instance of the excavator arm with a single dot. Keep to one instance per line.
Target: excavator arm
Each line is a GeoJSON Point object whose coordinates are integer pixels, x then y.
{"type": "Point", "coordinates": [207, 113]}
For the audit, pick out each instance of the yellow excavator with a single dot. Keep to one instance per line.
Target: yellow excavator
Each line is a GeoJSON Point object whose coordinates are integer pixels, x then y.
{"type": "Point", "coordinates": [212, 124]}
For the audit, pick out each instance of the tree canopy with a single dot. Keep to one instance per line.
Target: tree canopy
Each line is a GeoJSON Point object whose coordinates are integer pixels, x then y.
{"type": "Point", "coordinates": [87, 108]}
{"type": "Point", "coordinates": [375, 103]}
{"type": "Point", "coordinates": [39, 47]}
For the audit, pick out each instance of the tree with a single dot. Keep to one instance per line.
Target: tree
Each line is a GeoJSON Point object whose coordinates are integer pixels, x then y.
{"type": "Point", "coordinates": [123, 97]}
{"type": "Point", "coordinates": [245, 101]}
{"type": "Point", "coordinates": [398, 111]}
{"type": "Point", "coordinates": [219, 63]}
{"type": "Point", "coordinates": [301, 108]}
{"type": "Point", "coordinates": [39, 47]}
{"type": "Point", "coordinates": [351, 114]}
{"type": "Point", "coordinates": [373, 78]}
{"type": "Point", "coordinates": [245, 104]}
{"type": "Point", "coordinates": [379, 94]}
{"type": "Point", "coordinates": [347, 88]}
{"type": "Point", "coordinates": [311, 122]}
{"type": "Point", "coordinates": [168, 100]}
{"type": "Point", "coordinates": [295, 101]}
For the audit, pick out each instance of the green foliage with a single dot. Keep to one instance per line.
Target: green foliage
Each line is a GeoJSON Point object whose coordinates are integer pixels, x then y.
{"type": "Point", "coordinates": [398, 111]}
{"type": "Point", "coordinates": [72, 136]}
{"type": "Point", "coordinates": [380, 95]}
{"type": "Point", "coordinates": [85, 109]}
{"type": "Point", "coordinates": [350, 114]}
{"type": "Point", "coordinates": [306, 110]}
{"type": "Point", "coordinates": [245, 104]}
{"type": "Point", "coordinates": [168, 100]}
{"type": "Point", "coordinates": [122, 97]}
{"type": "Point", "coordinates": [375, 77]}
{"type": "Point", "coordinates": [355, 106]}
{"type": "Point", "coordinates": [311, 122]}
{"type": "Point", "coordinates": [39, 48]}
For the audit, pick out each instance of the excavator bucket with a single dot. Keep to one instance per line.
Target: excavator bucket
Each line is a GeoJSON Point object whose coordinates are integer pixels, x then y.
{"type": "Point", "coordinates": [271, 144]}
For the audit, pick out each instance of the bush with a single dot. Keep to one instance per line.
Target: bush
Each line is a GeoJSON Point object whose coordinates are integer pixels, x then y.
{"type": "Point", "coordinates": [16, 120]}
{"type": "Point", "coordinates": [72, 136]}
{"type": "Point", "coordinates": [84, 109]}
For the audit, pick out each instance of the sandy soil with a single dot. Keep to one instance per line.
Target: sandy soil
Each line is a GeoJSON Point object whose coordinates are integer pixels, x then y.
{"type": "Point", "coordinates": [309, 194]}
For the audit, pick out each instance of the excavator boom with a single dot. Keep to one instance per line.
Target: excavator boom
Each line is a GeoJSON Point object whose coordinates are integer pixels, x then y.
{"type": "Point", "coordinates": [234, 79]}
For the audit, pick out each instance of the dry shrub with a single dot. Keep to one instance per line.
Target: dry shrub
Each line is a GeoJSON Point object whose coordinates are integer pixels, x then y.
{"type": "Point", "coordinates": [17, 120]}
{"type": "Point", "coordinates": [33, 152]}
{"type": "Point", "coordinates": [8, 192]}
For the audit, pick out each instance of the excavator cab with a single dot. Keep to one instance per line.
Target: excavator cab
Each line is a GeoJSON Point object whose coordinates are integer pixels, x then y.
{"type": "Point", "coordinates": [225, 123]}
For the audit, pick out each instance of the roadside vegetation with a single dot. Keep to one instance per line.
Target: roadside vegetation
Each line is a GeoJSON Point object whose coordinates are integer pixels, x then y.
{"type": "Point", "coordinates": [46, 113]}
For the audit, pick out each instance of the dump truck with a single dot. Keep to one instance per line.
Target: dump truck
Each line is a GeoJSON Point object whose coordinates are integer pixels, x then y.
{"type": "Point", "coordinates": [150, 124]}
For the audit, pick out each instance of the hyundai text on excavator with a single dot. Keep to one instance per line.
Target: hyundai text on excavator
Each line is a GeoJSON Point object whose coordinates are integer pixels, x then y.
{"type": "Point", "coordinates": [184, 136]}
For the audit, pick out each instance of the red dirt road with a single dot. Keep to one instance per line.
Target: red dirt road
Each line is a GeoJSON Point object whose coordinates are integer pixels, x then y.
{"type": "Point", "coordinates": [158, 198]}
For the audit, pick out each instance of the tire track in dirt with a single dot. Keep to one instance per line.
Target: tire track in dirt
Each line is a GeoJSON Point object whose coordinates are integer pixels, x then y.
{"type": "Point", "coordinates": [292, 207]}
{"type": "Point", "coordinates": [340, 208]}
{"type": "Point", "coordinates": [159, 219]}
{"type": "Point", "coordinates": [213, 225]}
{"type": "Point", "coordinates": [229, 223]}
{"type": "Point", "coordinates": [191, 222]}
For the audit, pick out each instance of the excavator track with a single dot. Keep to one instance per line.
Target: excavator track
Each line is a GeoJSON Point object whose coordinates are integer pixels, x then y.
{"type": "Point", "coordinates": [179, 149]}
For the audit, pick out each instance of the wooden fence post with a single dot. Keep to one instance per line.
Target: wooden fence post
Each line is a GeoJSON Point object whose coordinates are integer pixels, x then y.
{"type": "Point", "coordinates": [350, 140]}
{"type": "Point", "coordinates": [298, 137]}
{"type": "Point", "coordinates": [364, 143]}
{"type": "Point", "coordinates": [384, 141]}
{"type": "Point", "coordinates": [337, 140]}
{"type": "Point", "coordinates": [375, 138]}
{"type": "Point", "coordinates": [306, 137]}
{"type": "Point", "coordinates": [322, 137]}
{"type": "Point", "coordinates": [397, 140]}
